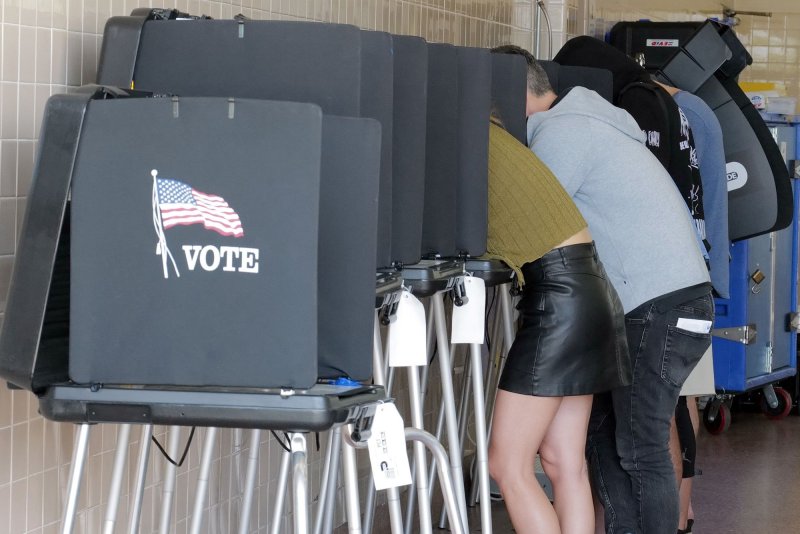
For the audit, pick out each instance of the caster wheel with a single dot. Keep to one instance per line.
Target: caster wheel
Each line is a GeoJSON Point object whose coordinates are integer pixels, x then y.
{"type": "Point", "coordinates": [717, 423]}
{"type": "Point", "coordinates": [782, 409]}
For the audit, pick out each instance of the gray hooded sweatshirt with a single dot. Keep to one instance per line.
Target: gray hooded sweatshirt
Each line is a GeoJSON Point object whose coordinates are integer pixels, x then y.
{"type": "Point", "coordinates": [641, 227]}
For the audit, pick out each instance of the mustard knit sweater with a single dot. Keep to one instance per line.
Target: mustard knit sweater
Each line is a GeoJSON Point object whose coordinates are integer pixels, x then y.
{"type": "Point", "coordinates": [529, 211]}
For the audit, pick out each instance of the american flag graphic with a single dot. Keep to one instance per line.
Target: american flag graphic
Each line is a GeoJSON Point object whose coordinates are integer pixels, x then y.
{"type": "Point", "coordinates": [180, 204]}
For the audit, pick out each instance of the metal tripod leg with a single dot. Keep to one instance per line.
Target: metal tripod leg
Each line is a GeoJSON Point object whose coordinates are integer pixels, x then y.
{"type": "Point", "coordinates": [393, 494]}
{"type": "Point", "coordinates": [463, 410]}
{"type": "Point", "coordinates": [412, 490]}
{"type": "Point", "coordinates": [299, 482]}
{"type": "Point", "coordinates": [202, 482]}
{"type": "Point", "coordinates": [430, 340]}
{"type": "Point", "coordinates": [421, 478]}
{"type": "Point", "coordinates": [448, 490]}
{"type": "Point", "coordinates": [445, 365]}
{"type": "Point", "coordinates": [280, 493]}
{"type": "Point", "coordinates": [141, 475]}
{"type": "Point", "coordinates": [170, 474]}
{"type": "Point", "coordinates": [497, 357]}
{"type": "Point", "coordinates": [75, 473]}
{"type": "Point", "coordinates": [123, 435]}
{"type": "Point", "coordinates": [352, 501]}
{"type": "Point", "coordinates": [481, 438]}
{"type": "Point", "coordinates": [250, 481]}
{"type": "Point", "coordinates": [327, 487]}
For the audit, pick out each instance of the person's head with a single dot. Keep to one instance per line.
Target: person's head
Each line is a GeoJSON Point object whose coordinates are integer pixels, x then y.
{"type": "Point", "coordinates": [540, 92]}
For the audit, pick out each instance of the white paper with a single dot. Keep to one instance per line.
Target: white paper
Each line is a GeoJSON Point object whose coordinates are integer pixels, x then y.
{"type": "Point", "coordinates": [387, 449]}
{"type": "Point", "coordinates": [406, 343]}
{"type": "Point", "coordinates": [469, 319]}
{"type": "Point", "coordinates": [697, 326]}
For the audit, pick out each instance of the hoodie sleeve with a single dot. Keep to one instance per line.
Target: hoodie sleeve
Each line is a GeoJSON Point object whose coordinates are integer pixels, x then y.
{"type": "Point", "coordinates": [562, 147]}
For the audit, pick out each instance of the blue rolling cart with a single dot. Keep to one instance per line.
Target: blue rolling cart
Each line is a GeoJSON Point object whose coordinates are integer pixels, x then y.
{"type": "Point", "coordinates": [755, 331]}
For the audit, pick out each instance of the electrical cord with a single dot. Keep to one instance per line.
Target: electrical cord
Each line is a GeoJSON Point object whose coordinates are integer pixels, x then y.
{"type": "Point", "coordinates": [283, 445]}
{"type": "Point", "coordinates": [185, 450]}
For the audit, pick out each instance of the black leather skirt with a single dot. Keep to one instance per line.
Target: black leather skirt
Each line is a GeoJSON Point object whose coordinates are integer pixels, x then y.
{"type": "Point", "coordinates": [572, 338]}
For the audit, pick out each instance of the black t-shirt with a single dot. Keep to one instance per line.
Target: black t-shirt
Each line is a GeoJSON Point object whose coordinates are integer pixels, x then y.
{"type": "Point", "coordinates": [670, 140]}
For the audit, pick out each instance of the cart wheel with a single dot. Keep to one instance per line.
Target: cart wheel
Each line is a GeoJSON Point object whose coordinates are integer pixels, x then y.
{"type": "Point", "coordinates": [782, 409]}
{"type": "Point", "coordinates": [720, 422]}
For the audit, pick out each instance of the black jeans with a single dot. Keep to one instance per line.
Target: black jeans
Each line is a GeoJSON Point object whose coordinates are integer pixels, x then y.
{"type": "Point", "coordinates": [628, 444]}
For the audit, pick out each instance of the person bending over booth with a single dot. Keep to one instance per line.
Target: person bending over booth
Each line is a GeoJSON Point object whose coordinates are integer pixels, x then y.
{"type": "Point", "coordinates": [646, 240]}
{"type": "Point", "coordinates": [571, 343]}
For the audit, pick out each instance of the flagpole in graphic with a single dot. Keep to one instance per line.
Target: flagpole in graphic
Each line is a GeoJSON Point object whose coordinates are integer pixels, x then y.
{"type": "Point", "coordinates": [161, 248]}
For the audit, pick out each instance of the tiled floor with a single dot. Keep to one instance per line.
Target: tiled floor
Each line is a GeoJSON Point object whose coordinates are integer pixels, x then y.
{"type": "Point", "coordinates": [750, 480]}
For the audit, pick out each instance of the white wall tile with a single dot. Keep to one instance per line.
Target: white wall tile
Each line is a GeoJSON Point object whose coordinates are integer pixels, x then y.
{"type": "Point", "coordinates": [8, 222]}
{"type": "Point", "coordinates": [11, 11]}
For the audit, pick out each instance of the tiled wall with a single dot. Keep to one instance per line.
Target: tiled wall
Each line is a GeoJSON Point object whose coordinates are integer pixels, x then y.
{"type": "Point", "coordinates": [49, 46]}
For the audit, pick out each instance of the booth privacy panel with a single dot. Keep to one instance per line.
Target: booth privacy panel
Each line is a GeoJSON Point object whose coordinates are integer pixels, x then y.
{"type": "Point", "coordinates": [441, 152]}
{"type": "Point", "coordinates": [278, 60]}
{"type": "Point", "coordinates": [509, 93]}
{"type": "Point", "coordinates": [377, 88]}
{"type": "Point", "coordinates": [344, 70]}
{"type": "Point", "coordinates": [194, 243]}
{"type": "Point", "coordinates": [705, 58]}
{"type": "Point", "coordinates": [474, 103]}
{"type": "Point", "coordinates": [562, 77]}
{"type": "Point", "coordinates": [351, 157]}
{"type": "Point", "coordinates": [34, 338]}
{"type": "Point", "coordinates": [408, 146]}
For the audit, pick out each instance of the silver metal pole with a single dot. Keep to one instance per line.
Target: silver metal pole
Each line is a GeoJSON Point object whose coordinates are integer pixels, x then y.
{"type": "Point", "coordinates": [430, 341]}
{"type": "Point", "coordinates": [392, 494]}
{"type": "Point", "coordinates": [421, 480]}
{"type": "Point", "coordinates": [463, 409]}
{"type": "Point", "coordinates": [537, 24]}
{"type": "Point", "coordinates": [481, 441]}
{"type": "Point", "coordinates": [427, 440]}
{"type": "Point", "coordinates": [299, 482]}
{"type": "Point", "coordinates": [324, 485]}
{"type": "Point", "coordinates": [330, 497]}
{"type": "Point", "coordinates": [141, 475]}
{"type": "Point", "coordinates": [170, 473]}
{"type": "Point", "coordinates": [123, 436]}
{"type": "Point", "coordinates": [352, 501]}
{"type": "Point", "coordinates": [250, 481]}
{"type": "Point", "coordinates": [492, 378]}
{"type": "Point", "coordinates": [280, 492]}
{"type": "Point", "coordinates": [202, 481]}
{"type": "Point", "coordinates": [445, 366]}
{"type": "Point", "coordinates": [448, 491]}
{"type": "Point", "coordinates": [75, 473]}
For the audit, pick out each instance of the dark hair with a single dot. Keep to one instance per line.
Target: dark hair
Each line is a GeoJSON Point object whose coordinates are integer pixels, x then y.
{"type": "Point", "coordinates": [538, 82]}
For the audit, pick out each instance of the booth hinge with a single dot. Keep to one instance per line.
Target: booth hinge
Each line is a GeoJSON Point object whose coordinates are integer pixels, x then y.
{"type": "Point", "coordinates": [362, 422]}
{"type": "Point", "coordinates": [388, 310]}
{"type": "Point", "coordinates": [740, 334]}
{"type": "Point", "coordinates": [459, 292]}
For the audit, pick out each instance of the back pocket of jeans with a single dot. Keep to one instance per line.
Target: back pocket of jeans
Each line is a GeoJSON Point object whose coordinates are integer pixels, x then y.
{"type": "Point", "coordinates": [682, 350]}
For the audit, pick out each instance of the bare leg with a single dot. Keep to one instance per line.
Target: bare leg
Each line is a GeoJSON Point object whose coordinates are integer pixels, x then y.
{"type": "Point", "coordinates": [563, 455]}
{"type": "Point", "coordinates": [687, 513]}
{"type": "Point", "coordinates": [520, 424]}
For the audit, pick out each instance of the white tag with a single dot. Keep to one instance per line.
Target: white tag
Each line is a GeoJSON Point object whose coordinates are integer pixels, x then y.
{"type": "Point", "coordinates": [406, 342]}
{"type": "Point", "coordinates": [469, 319]}
{"type": "Point", "coordinates": [698, 326]}
{"type": "Point", "coordinates": [387, 449]}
